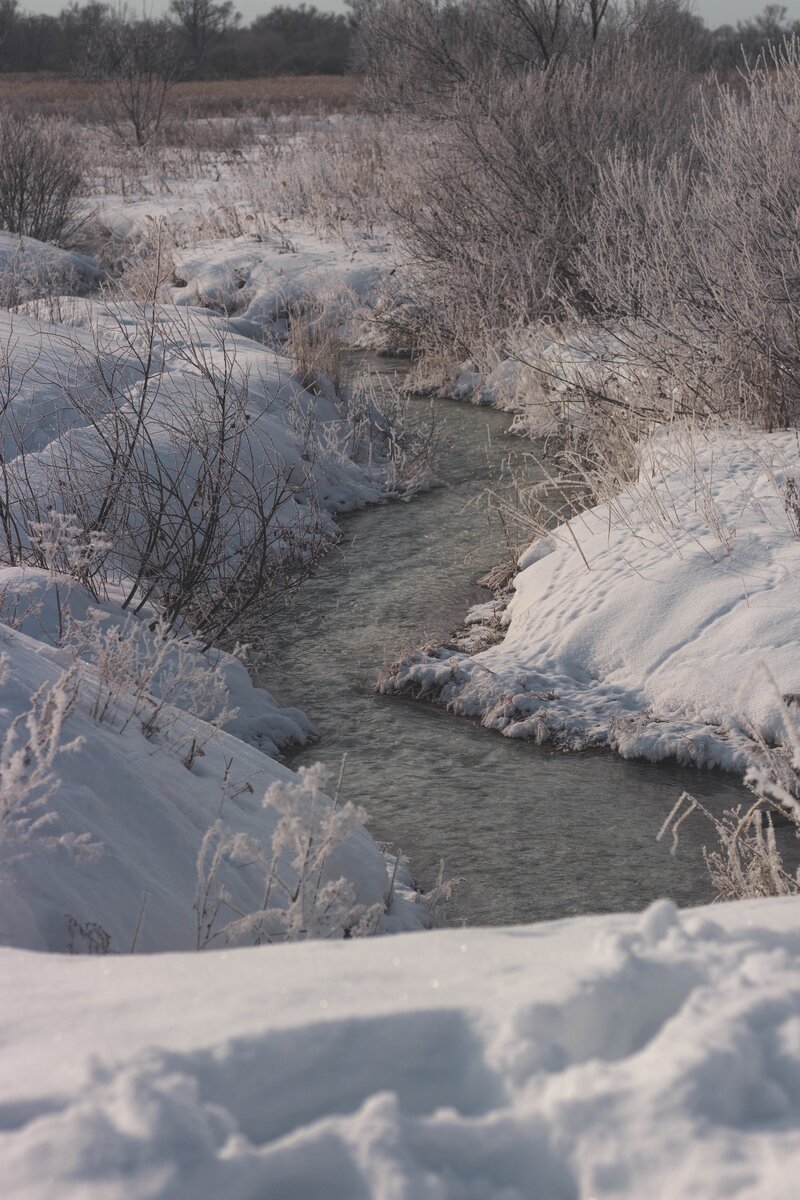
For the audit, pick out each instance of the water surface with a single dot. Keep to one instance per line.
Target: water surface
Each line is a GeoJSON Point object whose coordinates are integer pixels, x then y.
{"type": "Point", "coordinates": [533, 832]}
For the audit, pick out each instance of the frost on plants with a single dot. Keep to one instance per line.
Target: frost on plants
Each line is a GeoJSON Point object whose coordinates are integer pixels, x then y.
{"type": "Point", "coordinates": [148, 674]}
{"type": "Point", "coordinates": [28, 779]}
{"type": "Point", "coordinates": [747, 862]}
{"type": "Point", "coordinates": [296, 904]}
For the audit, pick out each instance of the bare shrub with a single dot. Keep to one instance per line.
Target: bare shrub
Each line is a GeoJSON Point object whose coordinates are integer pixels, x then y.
{"type": "Point", "coordinates": [61, 546]}
{"type": "Point", "coordinates": [202, 510]}
{"type": "Point", "coordinates": [494, 215]}
{"type": "Point", "coordinates": [296, 903]}
{"type": "Point", "coordinates": [377, 428]}
{"type": "Point", "coordinates": [746, 862]}
{"type": "Point", "coordinates": [414, 52]}
{"type": "Point", "coordinates": [29, 751]}
{"type": "Point", "coordinates": [315, 342]}
{"type": "Point", "coordinates": [694, 265]}
{"type": "Point", "coordinates": [42, 173]}
{"type": "Point", "coordinates": [140, 671]}
{"type": "Point", "coordinates": [407, 435]}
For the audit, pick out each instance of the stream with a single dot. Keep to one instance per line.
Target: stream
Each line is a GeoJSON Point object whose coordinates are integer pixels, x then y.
{"type": "Point", "coordinates": [532, 832]}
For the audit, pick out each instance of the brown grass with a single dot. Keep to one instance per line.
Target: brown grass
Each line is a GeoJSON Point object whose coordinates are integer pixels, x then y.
{"type": "Point", "coordinates": [67, 96]}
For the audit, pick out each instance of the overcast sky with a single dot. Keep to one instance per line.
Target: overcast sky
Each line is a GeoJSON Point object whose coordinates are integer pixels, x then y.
{"type": "Point", "coordinates": [715, 12]}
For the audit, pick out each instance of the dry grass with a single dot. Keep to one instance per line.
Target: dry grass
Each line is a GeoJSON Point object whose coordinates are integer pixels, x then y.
{"type": "Point", "coordinates": [67, 96]}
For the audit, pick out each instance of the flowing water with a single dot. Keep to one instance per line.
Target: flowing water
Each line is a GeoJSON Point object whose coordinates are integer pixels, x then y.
{"type": "Point", "coordinates": [533, 832]}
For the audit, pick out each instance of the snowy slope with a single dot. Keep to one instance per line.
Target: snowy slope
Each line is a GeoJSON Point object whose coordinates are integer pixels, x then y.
{"type": "Point", "coordinates": [29, 268]}
{"type": "Point", "coordinates": [653, 1056]}
{"type": "Point", "coordinates": [47, 366]}
{"type": "Point", "coordinates": [292, 431]}
{"type": "Point", "coordinates": [257, 279]}
{"type": "Point", "coordinates": [41, 605]}
{"type": "Point", "coordinates": [139, 803]}
{"type": "Point", "coordinates": [233, 256]}
{"type": "Point", "coordinates": [664, 623]}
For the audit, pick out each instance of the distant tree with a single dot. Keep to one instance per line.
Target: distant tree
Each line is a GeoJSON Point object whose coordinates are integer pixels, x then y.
{"type": "Point", "coordinates": [770, 25]}
{"type": "Point", "coordinates": [79, 25]}
{"type": "Point", "coordinates": [9, 14]}
{"type": "Point", "coordinates": [749, 39]}
{"type": "Point", "coordinates": [301, 41]}
{"type": "Point", "coordinates": [33, 42]}
{"type": "Point", "coordinates": [135, 63]}
{"type": "Point", "coordinates": [202, 23]}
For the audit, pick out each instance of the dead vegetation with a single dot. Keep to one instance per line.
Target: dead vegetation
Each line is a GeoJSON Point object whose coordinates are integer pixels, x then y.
{"type": "Point", "coordinates": [68, 96]}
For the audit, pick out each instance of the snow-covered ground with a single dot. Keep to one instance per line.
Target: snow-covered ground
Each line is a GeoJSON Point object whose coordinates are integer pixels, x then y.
{"type": "Point", "coordinates": [655, 1056]}
{"type": "Point", "coordinates": [116, 810]}
{"type": "Point", "coordinates": [662, 623]}
{"type": "Point", "coordinates": [627, 1056]}
{"type": "Point", "coordinates": [29, 268]}
{"type": "Point", "coordinates": [131, 817]}
{"type": "Point", "coordinates": [228, 246]}
{"type": "Point", "coordinates": [256, 280]}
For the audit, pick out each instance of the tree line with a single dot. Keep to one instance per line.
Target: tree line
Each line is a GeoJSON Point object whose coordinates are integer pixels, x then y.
{"type": "Point", "coordinates": [206, 37]}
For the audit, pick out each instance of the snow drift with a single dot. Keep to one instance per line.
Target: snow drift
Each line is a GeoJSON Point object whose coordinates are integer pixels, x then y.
{"type": "Point", "coordinates": [623, 1057]}
{"type": "Point", "coordinates": [662, 623]}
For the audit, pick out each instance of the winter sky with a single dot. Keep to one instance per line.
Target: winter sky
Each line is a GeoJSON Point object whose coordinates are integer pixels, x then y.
{"type": "Point", "coordinates": [715, 12]}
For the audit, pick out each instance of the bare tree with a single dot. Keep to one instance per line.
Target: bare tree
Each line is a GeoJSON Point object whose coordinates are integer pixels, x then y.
{"type": "Point", "coordinates": [202, 22]}
{"type": "Point", "coordinates": [9, 12]}
{"type": "Point", "coordinates": [597, 14]}
{"type": "Point", "coordinates": [414, 52]}
{"type": "Point", "coordinates": [494, 218]}
{"type": "Point", "coordinates": [548, 26]}
{"type": "Point", "coordinates": [136, 63]}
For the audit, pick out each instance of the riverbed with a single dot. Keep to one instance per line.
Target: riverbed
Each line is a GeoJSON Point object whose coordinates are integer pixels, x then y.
{"type": "Point", "coordinates": [532, 832]}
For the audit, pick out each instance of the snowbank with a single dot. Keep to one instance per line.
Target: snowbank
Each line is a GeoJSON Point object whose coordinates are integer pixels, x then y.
{"type": "Point", "coordinates": [310, 435]}
{"type": "Point", "coordinates": [597, 1057]}
{"type": "Point", "coordinates": [29, 268]}
{"type": "Point", "coordinates": [545, 372]}
{"type": "Point", "coordinates": [105, 804]}
{"type": "Point", "coordinates": [664, 623]}
{"type": "Point", "coordinates": [256, 280]}
{"type": "Point", "coordinates": [236, 258]}
{"type": "Point", "coordinates": [41, 605]}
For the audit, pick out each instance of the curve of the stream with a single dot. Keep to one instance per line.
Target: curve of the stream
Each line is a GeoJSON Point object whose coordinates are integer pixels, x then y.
{"type": "Point", "coordinates": [534, 833]}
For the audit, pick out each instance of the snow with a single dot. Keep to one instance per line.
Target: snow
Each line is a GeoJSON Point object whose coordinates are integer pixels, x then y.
{"type": "Point", "coordinates": [615, 1056]}
{"type": "Point", "coordinates": [49, 361]}
{"type": "Point", "coordinates": [236, 257]}
{"type": "Point", "coordinates": [663, 623]}
{"type": "Point", "coordinates": [622, 1056]}
{"type": "Point", "coordinates": [128, 793]}
{"type": "Point", "coordinates": [39, 605]}
{"type": "Point", "coordinates": [29, 268]}
{"type": "Point", "coordinates": [257, 279]}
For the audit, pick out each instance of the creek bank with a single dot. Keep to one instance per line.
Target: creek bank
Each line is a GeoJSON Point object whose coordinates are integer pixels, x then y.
{"type": "Point", "coordinates": [532, 832]}
{"type": "Point", "coordinates": [661, 624]}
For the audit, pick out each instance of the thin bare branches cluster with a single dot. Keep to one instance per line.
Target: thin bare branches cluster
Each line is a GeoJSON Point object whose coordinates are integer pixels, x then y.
{"type": "Point", "coordinates": [42, 170]}
{"type": "Point", "coordinates": [299, 901]}
{"type": "Point", "coordinates": [517, 104]}
{"type": "Point", "coordinates": [696, 263]}
{"type": "Point", "coordinates": [755, 853]}
{"type": "Point", "coordinates": [167, 481]}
